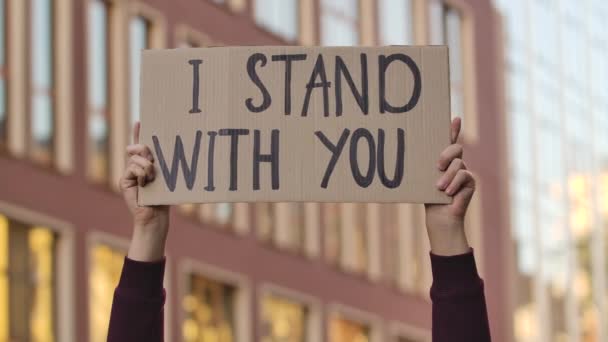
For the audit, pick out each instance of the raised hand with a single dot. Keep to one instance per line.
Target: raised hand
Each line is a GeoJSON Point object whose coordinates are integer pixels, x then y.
{"type": "Point", "coordinates": [150, 223]}
{"type": "Point", "coordinates": [445, 222]}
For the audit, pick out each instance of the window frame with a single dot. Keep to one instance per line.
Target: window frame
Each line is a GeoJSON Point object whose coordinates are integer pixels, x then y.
{"type": "Point", "coordinates": [65, 265]}
{"type": "Point", "coordinates": [110, 11]}
{"type": "Point", "coordinates": [470, 131]}
{"type": "Point", "coordinates": [242, 297]}
{"type": "Point", "coordinates": [94, 239]}
{"type": "Point", "coordinates": [314, 307]}
{"type": "Point", "coordinates": [31, 89]}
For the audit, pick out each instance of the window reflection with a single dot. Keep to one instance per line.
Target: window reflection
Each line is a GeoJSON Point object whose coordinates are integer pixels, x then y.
{"type": "Point", "coordinates": [209, 309]}
{"type": "Point", "coordinates": [339, 22]}
{"type": "Point", "coordinates": [27, 278]}
{"type": "Point", "coordinates": [41, 105]}
{"type": "Point", "coordinates": [279, 17]}
{"type": "Point", "coordinates": [105, 268]}
{"type": "Point", "coordinates": [139, 31]}
{"type": "Point", "coordinates": [283, 320]}
{"type": "Point", "coordinates": [345, 330]}
{"type": "Point", "coordinates": [98, 120]}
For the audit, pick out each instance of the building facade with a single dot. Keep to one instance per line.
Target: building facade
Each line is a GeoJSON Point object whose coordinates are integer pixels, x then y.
{"type": "Point", "coordinates": [556, 55]}
{"type": "Point", "coordinates": [235, 272]}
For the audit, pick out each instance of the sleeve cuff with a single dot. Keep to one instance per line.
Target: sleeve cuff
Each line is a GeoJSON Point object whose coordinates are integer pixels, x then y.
{"type": "Point", "coordinates": [454, 273]}
{"type": "Point", "coordinates": [145, 278]}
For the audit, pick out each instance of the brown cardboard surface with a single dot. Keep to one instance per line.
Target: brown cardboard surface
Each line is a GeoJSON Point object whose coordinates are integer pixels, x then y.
{"type": "Point", "coordinates": [171, 100]}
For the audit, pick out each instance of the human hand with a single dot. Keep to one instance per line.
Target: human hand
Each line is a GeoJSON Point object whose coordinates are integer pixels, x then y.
{"type": "Point", "coordinates": [150, 223]}
{"type": "Point", "coordinates": [445, 222]}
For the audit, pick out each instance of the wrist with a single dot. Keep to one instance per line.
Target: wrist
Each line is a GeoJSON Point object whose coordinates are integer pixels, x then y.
{"type": "Point", "coordinates": [448, 241]}
{"type": "Point", "coordinates": [148, 244]}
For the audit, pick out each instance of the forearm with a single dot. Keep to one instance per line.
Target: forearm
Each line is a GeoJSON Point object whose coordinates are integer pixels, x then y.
{"type": "Point", "coordinates": [137, 309]}
{"type": "Point", "coordinates": [459, 308]}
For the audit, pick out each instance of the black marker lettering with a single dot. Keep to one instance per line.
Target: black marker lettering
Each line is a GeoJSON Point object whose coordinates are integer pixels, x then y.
{"type": "Point", "coordinates": [251, 62]}
{"type": "Point", "coordinates": [318, 71]}
{"type": "Point", "coordinates": [288, 59]}
{"type": "Point", "coordinates": [383, 63]}
{"type": "Point", "coordinates": [398, 176]}
{"type": "Point", "coordinates": [195, 84]}
{"type": "Point", "coordinates": [363, 181]}
{"type": "Point", "coordinates": [234, 134]}
{"type": "Point", "coordinates": [210, 159]}
{"type": "Point", "coordinates": [335, 150]}
{"type": "Point", "coordinates": [272, 158]}
{"type": "Point", "coordinates": [362, 97]}
{"type": "Point", "coordinates": [179, 158]}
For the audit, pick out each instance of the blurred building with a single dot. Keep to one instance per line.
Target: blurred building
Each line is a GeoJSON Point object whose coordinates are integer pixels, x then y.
{"type": "Point", "coordinates": [235, 272]}
{"type": "Point", "coordinates": [556, 68]}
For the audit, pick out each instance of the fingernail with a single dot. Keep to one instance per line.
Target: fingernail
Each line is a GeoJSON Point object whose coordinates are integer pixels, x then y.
{"type": "Point", "coordinates": [449, 191]}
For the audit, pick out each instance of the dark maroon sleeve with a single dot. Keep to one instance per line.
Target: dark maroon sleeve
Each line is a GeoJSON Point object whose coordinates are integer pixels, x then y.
{"type": "Point", "coordinates": [137, 310]}
{"type": "Point", "coordinates": [459, 305]}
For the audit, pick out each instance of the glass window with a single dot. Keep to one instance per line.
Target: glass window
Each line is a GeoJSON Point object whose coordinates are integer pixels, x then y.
{"type": "Point", "coordinates": [224, 213]}
{"type": "Point", "coordinates": [265, 215]}
{"type": "Point", "coordinates": [98, 124]}
{"type": "Point", "coordinates": [27, 277]}
{"type": "Point", "coordinates": [339, 22]}
{"type": "Point", "coordinates": [41, 52]}
{"type": "Point", "coordinates": [397, 24]}
{"type": "Point", "coordinates": [278, 16]}
{"type": "Point", "coordinates": [446, 28]}
{"type": "Point", "coordinates": [345, 330]}
{"type": "Point", "coordinates": [332, 222]}
{"type": "Point", "coordinates": [283, 320]}
{"type": "Point", "coordinates": [106, 266]}
{"type": "Point", "coordinates": [139, 32]}
{"type": "Point", "coordinates": [209, 310]}
{"type": "Point", "coordinates": [3, 70]}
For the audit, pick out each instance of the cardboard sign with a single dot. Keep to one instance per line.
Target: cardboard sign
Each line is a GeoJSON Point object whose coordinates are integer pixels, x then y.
{"type": "Point", "coordinates": [312, 124]}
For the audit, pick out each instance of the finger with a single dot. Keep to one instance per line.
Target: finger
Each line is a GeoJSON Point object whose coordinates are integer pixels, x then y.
{"type": "Point", "coordinates": [136, 128]}
{"type": "Point", "coordinates": [141, 150]}
{"type": "Point", "coordinates": [144, 164]}
{"type": "Point", "coordinates": [450, 153]}
{"type": "Point", "coordinates": [447, 177]}
{"type": "Point", "coordinates": [134, 172]}
{"type": "Point", "coordinates": [463, 179]}
{"type": "Point", "coordinates": [455, 128]}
